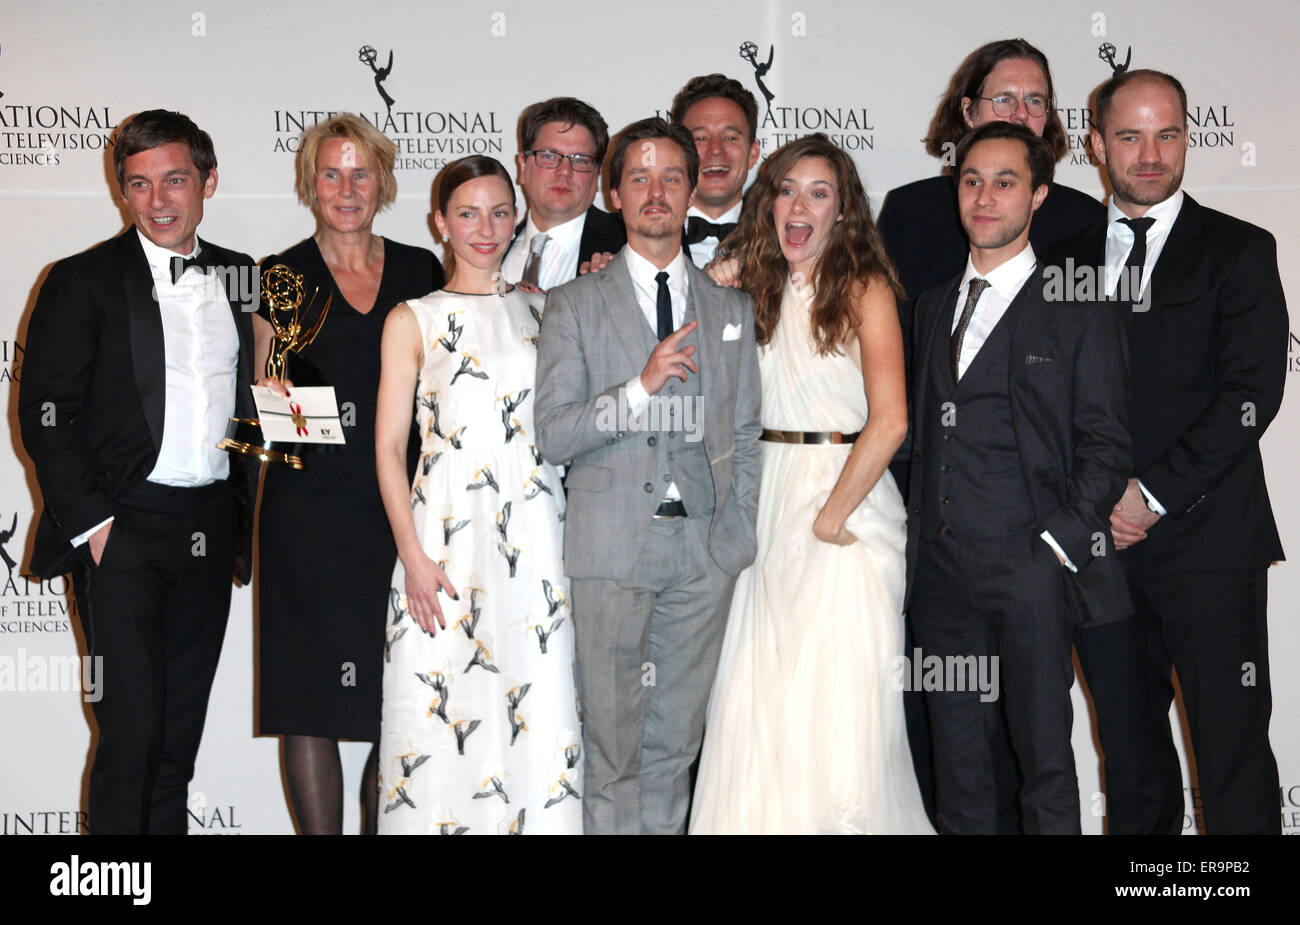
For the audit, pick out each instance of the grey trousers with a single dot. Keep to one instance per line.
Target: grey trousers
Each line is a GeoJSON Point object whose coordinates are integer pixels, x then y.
{"type": "Point", "coordinates": [647, 651]}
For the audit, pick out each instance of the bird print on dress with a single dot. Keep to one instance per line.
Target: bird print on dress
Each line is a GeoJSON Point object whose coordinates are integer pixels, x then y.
{"type": "Point", "coordinates": [429, 400]}
{"type": "Point", "coordinates": [514, 826]}
{"type": "Point", "coordinates": [463, 727]}
{"type": "Point", "coordinates": [452, 338]}
{"type": "Point", "coordinates": [469, 367]}
{"type": "Point", "coordinates": [440, 681]}
{"type": "Point", "coordinates": [484, 478]}
{"type": "Point", "coordinates": [391, 635]}
{"type": "Point", "coordinates": [555, 599]}
{"type": "Point", "coordinates": [451, 526]}
{"type": "Point", "coordinates": [510, 404]}
{"type": "Point", "coordinates": [469, 622]}
{"type": "Point", "coordinates": [535, 485]}
{"type": "Point", "coordinates": [503, 521]}
{"type": "Point", "coordinates": [417, 493]}
{"type": "Point", "coordinates": [570, 751]}
{"type": "Point", "coordinates": [446, 823]}
{"type": "Point", "coordinates": [482, 656]}
{"type": "Point", "coordinates": [454, 437]}
{"type": "Point", "coordinates": [427, 463]}
{"type": "Point", "coordinates": [518, 722]}
{"type": "Point", "coordinates": [492, 786]}
{"type": "Point", "coordinates": [511, 553]}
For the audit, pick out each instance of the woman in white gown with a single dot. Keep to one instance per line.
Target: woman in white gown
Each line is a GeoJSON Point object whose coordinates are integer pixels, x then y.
{"type": "Point", "coordinates": [480, 730]}
{"type": "Point", "coordinates": [805, 728]}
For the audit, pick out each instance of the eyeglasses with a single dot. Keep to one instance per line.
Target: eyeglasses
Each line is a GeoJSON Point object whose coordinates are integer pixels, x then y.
{"type": "Point", "coordinates": [582, 163]}
{"type": "Point", "coordinates": [1005, 106]}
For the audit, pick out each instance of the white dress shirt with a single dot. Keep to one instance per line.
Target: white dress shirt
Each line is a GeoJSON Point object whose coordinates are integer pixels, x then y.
{"type": "Point", "coordinates": [643, 274]}
{"type": "Point", "coordinates": [702, 251]}
{"type": "Point", "coordinates": [1119, 238]}
{"type": "Point", "coordinates": [559, 259]}
{"type": "Point", "coordinates": [1119, 241]}
{"type": "Point", "coordinates": [201, 360]}
{"type": "Point", "coordinates": [1005, 283]}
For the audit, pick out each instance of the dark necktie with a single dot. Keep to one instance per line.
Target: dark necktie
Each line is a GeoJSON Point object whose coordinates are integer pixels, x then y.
{"type": "Point", "coordinates": [180, 264]}
{"type": "Point", "coordinates": [697, 229]}
{"type": "Point", "coordinates": [973, 293]}
{"type": "Point", "coordinates": [664, 305]}
{"type": "Point", "coordinates": [1137, 258]}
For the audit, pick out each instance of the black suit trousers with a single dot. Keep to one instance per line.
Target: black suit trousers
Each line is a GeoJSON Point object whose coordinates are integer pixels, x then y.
{"type": "Point", "coordinates": [1212, 627]}
{"type": "Point", "coordinates": [155, 610]}
{"type": "Point", "coordinates": [1112, 657]}
{"type": "Point", "coordinates": [1002, 598]}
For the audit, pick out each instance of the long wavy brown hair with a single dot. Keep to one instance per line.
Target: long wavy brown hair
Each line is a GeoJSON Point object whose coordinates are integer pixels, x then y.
{"type": "Point", "coordinates": [854, 255]}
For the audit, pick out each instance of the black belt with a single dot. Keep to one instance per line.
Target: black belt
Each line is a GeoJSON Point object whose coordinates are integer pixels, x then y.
{"type": "Point", "coordinates": [671, 509]}
{"type": "Point", "coordinates": [799, 436]}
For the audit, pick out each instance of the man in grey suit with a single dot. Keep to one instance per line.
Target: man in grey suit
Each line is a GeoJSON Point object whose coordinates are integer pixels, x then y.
{"type": "Point", "coordinates": [647, 385]}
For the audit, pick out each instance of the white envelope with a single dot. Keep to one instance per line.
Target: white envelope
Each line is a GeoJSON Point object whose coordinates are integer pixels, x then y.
{"type": "Point", "coordinates": [308, 415]}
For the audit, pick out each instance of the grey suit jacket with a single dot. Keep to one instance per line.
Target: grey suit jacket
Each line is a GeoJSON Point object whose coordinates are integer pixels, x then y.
{"type": "Point", "coordinates": [591, 344]}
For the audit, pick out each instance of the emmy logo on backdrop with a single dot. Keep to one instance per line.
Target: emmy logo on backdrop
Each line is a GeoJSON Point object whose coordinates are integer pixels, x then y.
{"type": "Point", "coordinates": [368, 56]}
{"type": "Point", "coordinates": [749, 51]}
{"type": "Point", "coordinates": [1107, 53]}
{"type": "Point", "coordinates": [283, 294]}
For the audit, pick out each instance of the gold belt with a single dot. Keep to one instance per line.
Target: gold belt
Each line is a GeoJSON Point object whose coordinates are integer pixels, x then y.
{"type": "Point", "coordinates": [799, 436]}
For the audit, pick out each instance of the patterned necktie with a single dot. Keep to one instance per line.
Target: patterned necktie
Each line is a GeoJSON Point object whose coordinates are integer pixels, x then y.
{"type": "Point", "coordinates": [973, 292]}
{"type": "Point", "coordinates": [664, 305]}
{"type": "Point", "coordinates": [1137, 258]}
{"type": "Point", "coordinates": [533, 266]}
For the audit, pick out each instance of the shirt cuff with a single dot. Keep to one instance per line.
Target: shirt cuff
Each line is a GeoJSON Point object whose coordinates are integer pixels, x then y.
{"type": "Point", "coordinates": [1047, 538]}
{"type": "Point", "coordinates": [638, 399]}
{"type": "Point", "coordinates": [1152, 504]}
{"type": "Point", "coordinates": [83, 537]}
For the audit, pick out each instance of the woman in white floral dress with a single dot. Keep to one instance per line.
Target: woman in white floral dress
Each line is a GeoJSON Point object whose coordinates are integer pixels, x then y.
{"type": "Point", "coordinates": [480, 729]}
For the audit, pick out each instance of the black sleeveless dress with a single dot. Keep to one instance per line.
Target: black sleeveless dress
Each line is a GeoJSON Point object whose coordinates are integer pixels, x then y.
{"type": "Point", "coordinates": [326, 553]}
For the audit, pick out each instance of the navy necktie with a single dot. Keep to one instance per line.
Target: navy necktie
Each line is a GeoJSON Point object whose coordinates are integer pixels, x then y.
{"type": "Point", "coordinates": [664, 305]}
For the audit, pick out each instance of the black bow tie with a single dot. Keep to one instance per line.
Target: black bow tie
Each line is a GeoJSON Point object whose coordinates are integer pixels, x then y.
{"type": "Point", "coordinates": [201, 261]}
{"type": "Point", "coordinates": [697, 229]}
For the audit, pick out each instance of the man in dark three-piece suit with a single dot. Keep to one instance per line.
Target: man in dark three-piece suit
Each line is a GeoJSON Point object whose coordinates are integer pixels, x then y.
{"type": "Point", "coordinates": [138, 352]}
{"type": "Point", "coordinates": [1019, 454]}
{"type": "Point", "coordinates": [1207, 335]}
{"type": "Point", "coordinates": [562, 144]}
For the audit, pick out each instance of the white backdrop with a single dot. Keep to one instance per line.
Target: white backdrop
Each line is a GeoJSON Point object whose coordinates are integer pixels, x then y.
{"type": "Point", "coordinates": [253, 74]}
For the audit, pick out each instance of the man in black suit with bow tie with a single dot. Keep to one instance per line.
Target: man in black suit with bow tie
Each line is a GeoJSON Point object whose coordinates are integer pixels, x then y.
{"type": "Point", "coordinates": [722, 117]}
{"type": "Point", "coordinates": [1019, 454]}
{"type": "Point", "coordinates": [1207, 337]}
{"type": "Point", "coordinates": [139, 350]}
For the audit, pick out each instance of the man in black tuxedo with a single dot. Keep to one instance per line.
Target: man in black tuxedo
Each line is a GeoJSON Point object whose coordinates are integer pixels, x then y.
{"type": "Point", "coordinates": [1207, 341]}
{"type": "Point", "coordinates": [562, 144]}
{"type": "Point", "coordinates": [138, 352]}
{"type": "Point", "coordinates": [722, 117]}
{"type": "Point", "coordinates": [1019, 454]}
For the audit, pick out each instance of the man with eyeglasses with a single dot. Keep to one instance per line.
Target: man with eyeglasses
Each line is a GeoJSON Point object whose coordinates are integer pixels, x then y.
{"type": "Point", "coordinates": [562, 144]}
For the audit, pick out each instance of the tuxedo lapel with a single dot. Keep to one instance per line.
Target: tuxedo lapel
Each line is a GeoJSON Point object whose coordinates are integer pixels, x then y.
{"type": "Point", "coordinates": [148, 350]}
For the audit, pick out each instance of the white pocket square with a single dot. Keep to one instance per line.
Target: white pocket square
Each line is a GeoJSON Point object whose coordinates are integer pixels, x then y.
{"type": "Point", "coordinates": [731, 332]}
